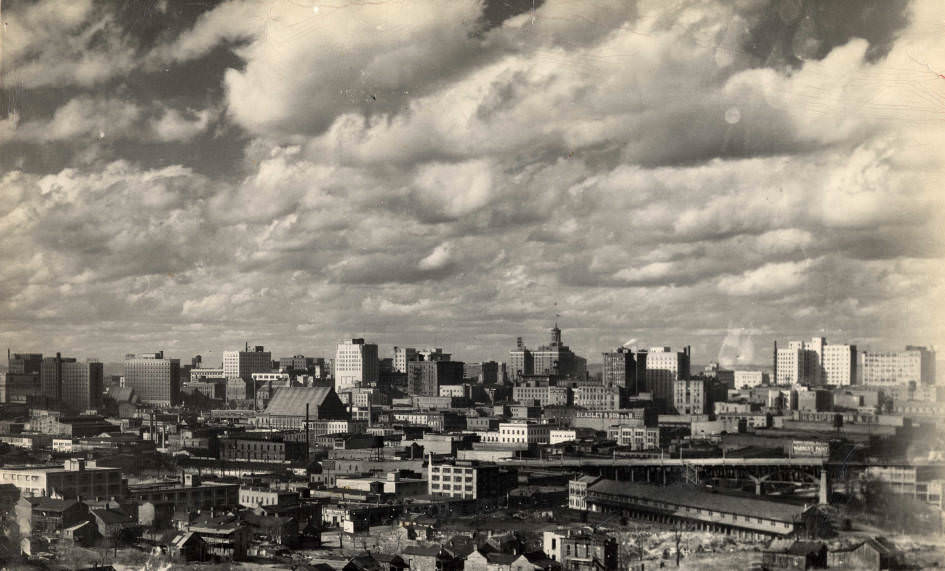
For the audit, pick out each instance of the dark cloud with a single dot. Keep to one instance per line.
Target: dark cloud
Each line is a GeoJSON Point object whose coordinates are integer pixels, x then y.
{"type": "Point", "coordinates": [670, 172]}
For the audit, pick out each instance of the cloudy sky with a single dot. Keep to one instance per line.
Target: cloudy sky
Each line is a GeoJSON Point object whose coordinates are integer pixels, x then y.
{"type": "Point", "coordinates": [189, 176]}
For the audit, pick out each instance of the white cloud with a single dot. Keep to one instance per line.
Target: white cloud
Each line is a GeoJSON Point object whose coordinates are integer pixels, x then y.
{"type": "Point", "coordinates": [439, 258]}
{"type": "Point", "coordinates": [768, 279]}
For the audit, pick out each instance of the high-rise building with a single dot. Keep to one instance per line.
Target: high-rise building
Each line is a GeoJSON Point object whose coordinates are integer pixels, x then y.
{"type": "Point", "coordinates": [790, 365]}
{"type": "Point", "coordinates": [689, 396]}
{"type": "Point", "coordinates": [243, 364]}
{"type": "Point", "coordinates": [355, 364]}
{"type": "Point", "coordinates": [663, 368]}
{"type": "Point", "coordinates": [436, 354]}
{"type": "Point", "coordinates": [424, 378]}
{"type": "Point", "coordinates": [839, 364]}
{"type": "Point", "coordinates": [556, 358]}
{"type": "Point", "coordinates": [521, 362]}
{"type": "Point", "coordinates": [624, 369]}
{"type": "Point", "coordinates": [484, 373]}
{"type": "Point", "coordinates": [889, 368]}
{"type": "Point", "coordinates": [402, 356]}
{"type": "Point", "coordinates": [815, 363]}
{"type": "Point", "coordinates": [24, 363]}
{"type": "Point", "coordinates": [21, 382]}
{"type": "Point", "coordinates": [82, 385]}
{"type": "Point", "coordinates": [156, 380]}
{"type": "Point", "coordinates": [51, 376]}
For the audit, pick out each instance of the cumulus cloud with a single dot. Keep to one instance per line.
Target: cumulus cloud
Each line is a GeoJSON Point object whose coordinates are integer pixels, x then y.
{"type": "Point", "coordinates": [55, 43]}
{"type": "Point", "coordinates": [665, 171]}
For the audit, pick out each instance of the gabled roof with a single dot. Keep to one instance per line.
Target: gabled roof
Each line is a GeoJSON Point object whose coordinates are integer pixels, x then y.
{"type": "Point", "coordinates": [805, 547]}
{"type": "Point", "coordinates": [291, 401]}
{"type": "Point", "coordinates": [501, 558]}
{"type": "Point", "coordinates": [426, 551]}
{"type": "Point", "coordinates": [111, 516]}
{"type": "Point", "coordinates": [684, 496]}
{"type": "Point", "coordinates": [53, 505]}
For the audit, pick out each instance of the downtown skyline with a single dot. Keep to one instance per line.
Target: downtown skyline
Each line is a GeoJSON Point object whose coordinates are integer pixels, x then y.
{"type": "Point", "coordinates": [190, 178]}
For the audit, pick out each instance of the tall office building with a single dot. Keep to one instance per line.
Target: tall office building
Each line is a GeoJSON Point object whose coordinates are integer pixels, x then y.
{"type": "Point", "coordinates": [24, 363]}
{"type": "Point", "coordinates": [624, 369]}
{"type": "Point", "coordinates": [402, 356]}
{"type": "Point", "coordinates": [789, 366]}
{"type": "Point", "coordinates": [426, 377]}
{"type": "Point", "coordinates": [689, 396]}
{"type": "Point", "coordinates": [51, 376]}
{"type": "Point", "coordinates": [663, 368]}
{"type": "Point", "coordinates": [889, 368]}
{"type": "Point", "coordinates": [815, 363]}
{"type": "Point", "coordinates": [484, 372]}
{"type": "Point", "coordinates": [839, 364]}
{"type": "Point", "coordinates": [520, 361]}
{"type": "Point", "coordinates": [243, 364]}
{"type": "Point", "coordinates": [556, 358]}
{"type": "Point", "coordinates": [82, 385]}
{"type": "Point", "coordinates": [355, 364]}
{"type": "Point", "coordinates": [21, 382]}
{"type": "Point", "coordinates": [156, 380]}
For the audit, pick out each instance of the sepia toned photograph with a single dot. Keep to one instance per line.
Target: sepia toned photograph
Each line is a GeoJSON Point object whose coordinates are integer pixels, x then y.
{"type": "Point", "coordinates": [472, 285]}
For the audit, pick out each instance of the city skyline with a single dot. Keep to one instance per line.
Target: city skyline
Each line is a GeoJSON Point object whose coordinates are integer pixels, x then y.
{"type": "Point", "coordinates": [190, 177]}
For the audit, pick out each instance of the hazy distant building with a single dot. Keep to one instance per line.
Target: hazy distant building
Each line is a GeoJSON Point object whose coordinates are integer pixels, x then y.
{"type": "Point", "coordinates": [355, 364]}
{"type": "Point", "coordinates": [663, 368]}
{"type": "Point", "coordinates": [155, 380]}
{"type": "Point", "coordinates": [886, 368]}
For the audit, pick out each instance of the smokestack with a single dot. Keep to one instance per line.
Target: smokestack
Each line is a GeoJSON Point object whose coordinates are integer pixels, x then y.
{"type": "Point", "coordinates": [307, 443]}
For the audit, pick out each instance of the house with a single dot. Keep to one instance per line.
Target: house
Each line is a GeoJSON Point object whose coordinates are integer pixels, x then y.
{"type": "Point", "coordinates": [476, 561]}
{"type": "Point", "coordinates": [868, 554]}
{"type": "Point", "coordinates": [362, 562]}
{"type": "Point", "coordinates": [376, 562]}
{"type": "Point", "coordinates": [800, 555]}
{"type": "Point", "coordinates": [188, 546]}
{"type": "Point", "coordinates": [534, 561]}
{"type": "Point", "coordinates": [82, 533]}
{"type": "Point", "coordinates": [283, 530]}
{"type": "Point", "coordinates": [50, 516]}
{"type": "Point", "coordinates": [430, 558]}
{"type": "Point", "coordinates": [500, 561]}
{"type": "Point", "coordinates": [156, 515]}
{"type": "Point", "coordinates": [389, 562]}
{"type": "Point", "coordinates": [227, 540]}
{"type": "Point", "coordinates": [112, 523]}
